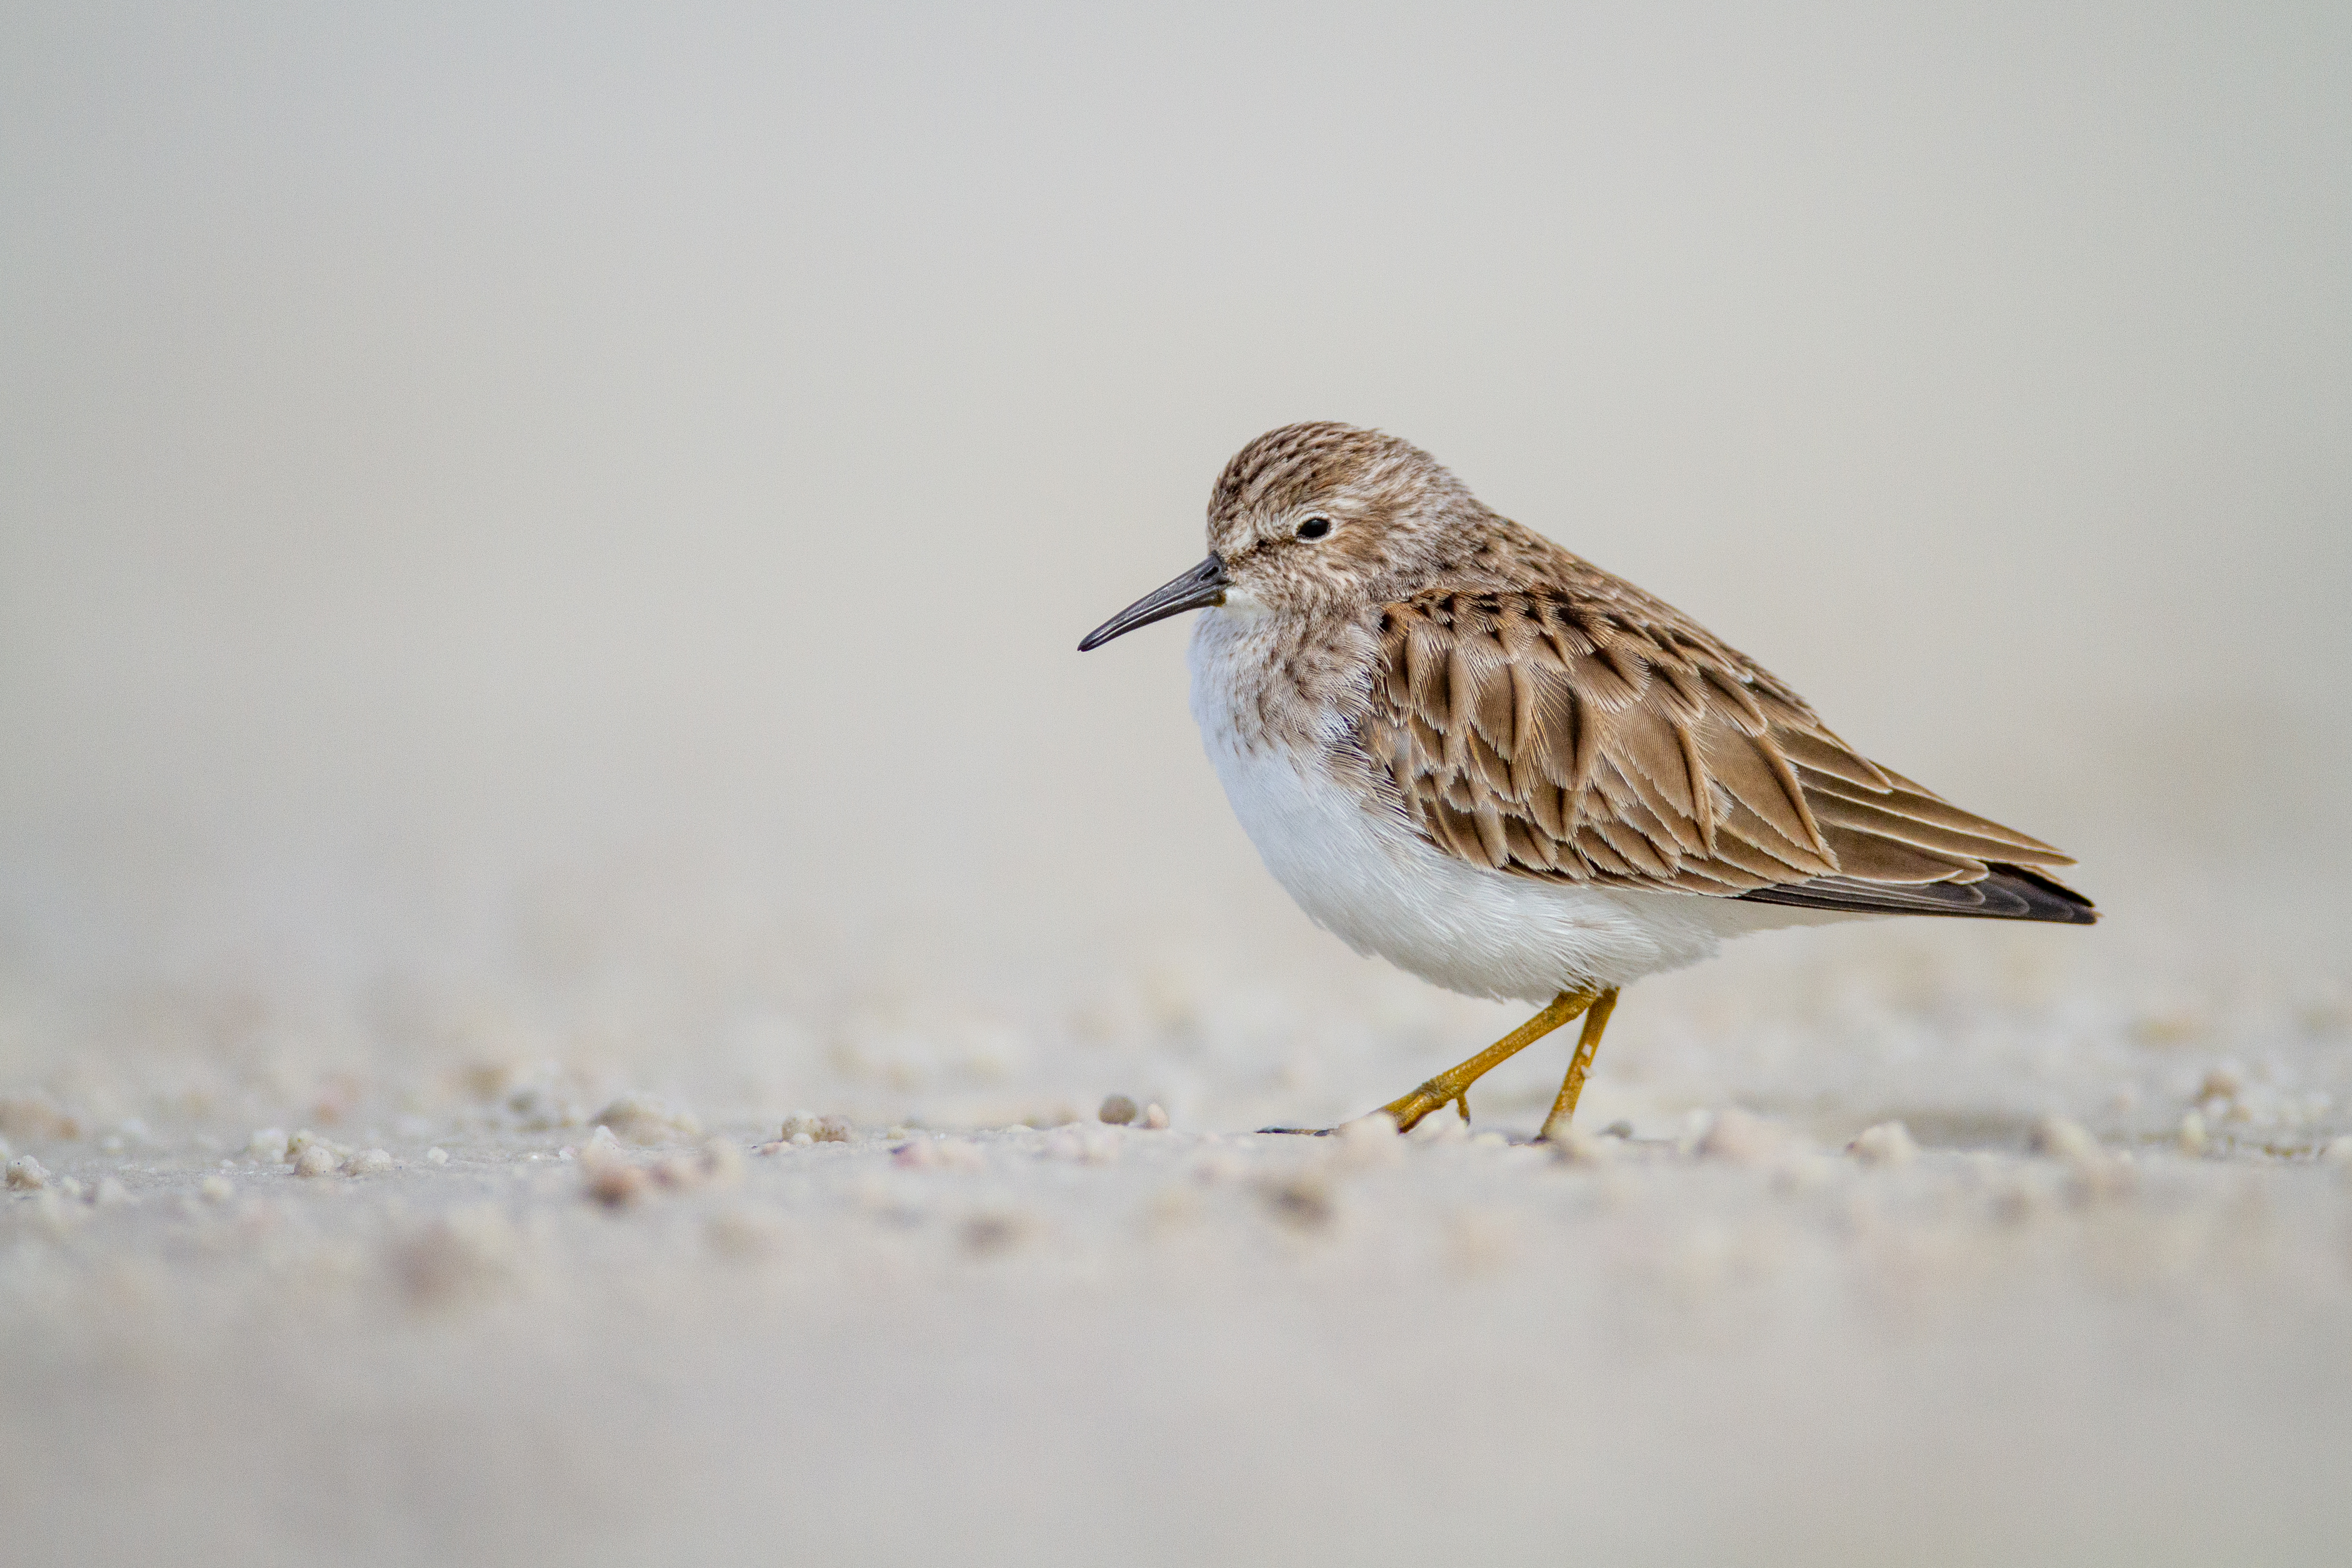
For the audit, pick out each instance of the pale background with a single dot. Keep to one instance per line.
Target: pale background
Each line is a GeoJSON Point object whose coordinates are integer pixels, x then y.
{"type": "Point", "coordinates": [544, 546]}
{"type": "Point", "coordinates": [545, 434]}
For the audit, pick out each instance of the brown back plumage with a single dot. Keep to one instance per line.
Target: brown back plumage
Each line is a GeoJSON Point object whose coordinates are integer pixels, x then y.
{"type": "Point", "coordinates": [1581, 730]}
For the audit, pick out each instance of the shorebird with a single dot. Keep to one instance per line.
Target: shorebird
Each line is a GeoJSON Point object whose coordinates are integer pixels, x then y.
{"type": "Point", "coordinates": [1483, 758]}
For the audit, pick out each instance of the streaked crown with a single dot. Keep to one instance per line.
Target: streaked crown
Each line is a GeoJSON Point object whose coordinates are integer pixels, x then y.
{"type": "Point", "coordinates": [1324, 514]}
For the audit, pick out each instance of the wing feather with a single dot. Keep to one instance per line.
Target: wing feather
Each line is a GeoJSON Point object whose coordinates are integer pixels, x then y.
{"type": "Point", "coordinates": [1583, 731]}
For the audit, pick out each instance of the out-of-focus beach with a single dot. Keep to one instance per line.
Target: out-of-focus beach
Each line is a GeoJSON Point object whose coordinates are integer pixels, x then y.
{"type": "Point", "coordinates": [567, 908]}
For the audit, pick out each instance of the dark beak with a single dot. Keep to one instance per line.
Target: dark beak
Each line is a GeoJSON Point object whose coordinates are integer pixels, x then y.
{"type": "Point", "coordinates": [1204, 584]}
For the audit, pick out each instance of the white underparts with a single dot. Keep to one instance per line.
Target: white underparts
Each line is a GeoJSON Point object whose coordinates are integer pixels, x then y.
{"type": "Point", "coordinates": [1362, 873]}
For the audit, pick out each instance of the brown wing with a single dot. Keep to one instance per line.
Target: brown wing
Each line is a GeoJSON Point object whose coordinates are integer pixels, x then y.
{"type": "Point", "coordinates": [1585, 732]}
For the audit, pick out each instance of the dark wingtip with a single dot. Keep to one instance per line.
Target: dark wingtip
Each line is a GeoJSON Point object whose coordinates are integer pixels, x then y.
{"type": "Point", "coordinates": [2005, 893]}
{"type": "Point", "coordinates": [2052, 900]}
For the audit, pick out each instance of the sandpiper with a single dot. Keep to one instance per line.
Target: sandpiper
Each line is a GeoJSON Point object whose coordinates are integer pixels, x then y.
{"type": "Point", "coordinates": [1489, 762]}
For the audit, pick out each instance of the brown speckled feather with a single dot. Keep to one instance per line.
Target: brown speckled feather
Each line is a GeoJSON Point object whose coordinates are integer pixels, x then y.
{"type": "Point", "coordinates": [1577, 730]}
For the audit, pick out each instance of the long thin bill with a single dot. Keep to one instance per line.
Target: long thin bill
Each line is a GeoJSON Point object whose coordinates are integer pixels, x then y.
{"type": "Point", "coordinates": [1204, 584]}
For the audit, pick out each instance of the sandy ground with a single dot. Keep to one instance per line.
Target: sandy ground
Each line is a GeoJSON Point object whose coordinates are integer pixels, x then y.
{"type": "Point", "coordinates": [515, 1265]}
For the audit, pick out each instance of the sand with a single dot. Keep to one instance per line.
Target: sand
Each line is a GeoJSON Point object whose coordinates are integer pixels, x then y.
{"type": "Point", "coordinates": [1914, 1242]}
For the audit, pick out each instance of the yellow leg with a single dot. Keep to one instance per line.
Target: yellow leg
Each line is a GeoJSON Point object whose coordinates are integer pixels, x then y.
{"type": "Point", "coordinates": [1572, 1086]}
{"type": "Point", "coordinates": [1453, 1086]}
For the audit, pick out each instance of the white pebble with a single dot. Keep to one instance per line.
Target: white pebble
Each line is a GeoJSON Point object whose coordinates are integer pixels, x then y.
{"type": "Point", "coordinates": [1887, 1144]}
{"type": "Point", "coordinates": [368, 1163]}
{"type": "Point", "coordinates": [1155, 1116]}
{"type": "Point", "coordinates": [437, 1155]}
{"type": "Point", "coordinates": [26, 1174]}
{"type": "Point", "coordinates": [1577, 1147]}
{"type": "Point", "coordinates": [314, 1160]}
{"type": "Point", "coordinates": [2064, 1139]}
{"type": "Point", "coordinates": [1440, 1126]}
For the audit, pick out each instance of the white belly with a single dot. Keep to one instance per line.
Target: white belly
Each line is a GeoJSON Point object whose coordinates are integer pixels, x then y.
{"type": "Point", "coordinates": [1368, 877]}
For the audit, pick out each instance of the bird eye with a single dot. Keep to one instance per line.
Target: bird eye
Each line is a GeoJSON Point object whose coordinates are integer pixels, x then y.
{"type": "Point", "coordinates": [1315, 528]}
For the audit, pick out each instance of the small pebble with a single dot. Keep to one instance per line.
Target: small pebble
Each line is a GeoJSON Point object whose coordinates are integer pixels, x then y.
{"type": "Point", "coordinates": [1155, 1116]}
{"type": "Point", "coordinates": [1117, 1110]}
{"type": "Point", "coordinates": [368, 1163]}
{"type": "Point", "coordinates": [802, 1128]}
{"type": "Point", "coordinates": [1440, 1126]}
{"type": "Point", "coordinates": [1620, 1128]}
{"type": "Point", "coordinates": [26, 1174]}
{"type": "Point", "coordinates": [719, 1163]}
{"type": "Point", "coordinates": [615, 1183]}
{"type": "Point", "coordinates": [313, 1160]}
{"type": "Point", "coordinates": [1577, 1147]}
{"type": "Point", "coordinates": [1887, 1144]}
{"type": "Point", "coordinates": [437, 1155]}
{"type": "Point", "coordinates": [2063, 1139]}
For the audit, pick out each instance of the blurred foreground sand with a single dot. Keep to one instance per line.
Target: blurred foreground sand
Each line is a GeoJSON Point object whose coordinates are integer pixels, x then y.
{"type": "Point", "coordinates": [982, 1327]}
